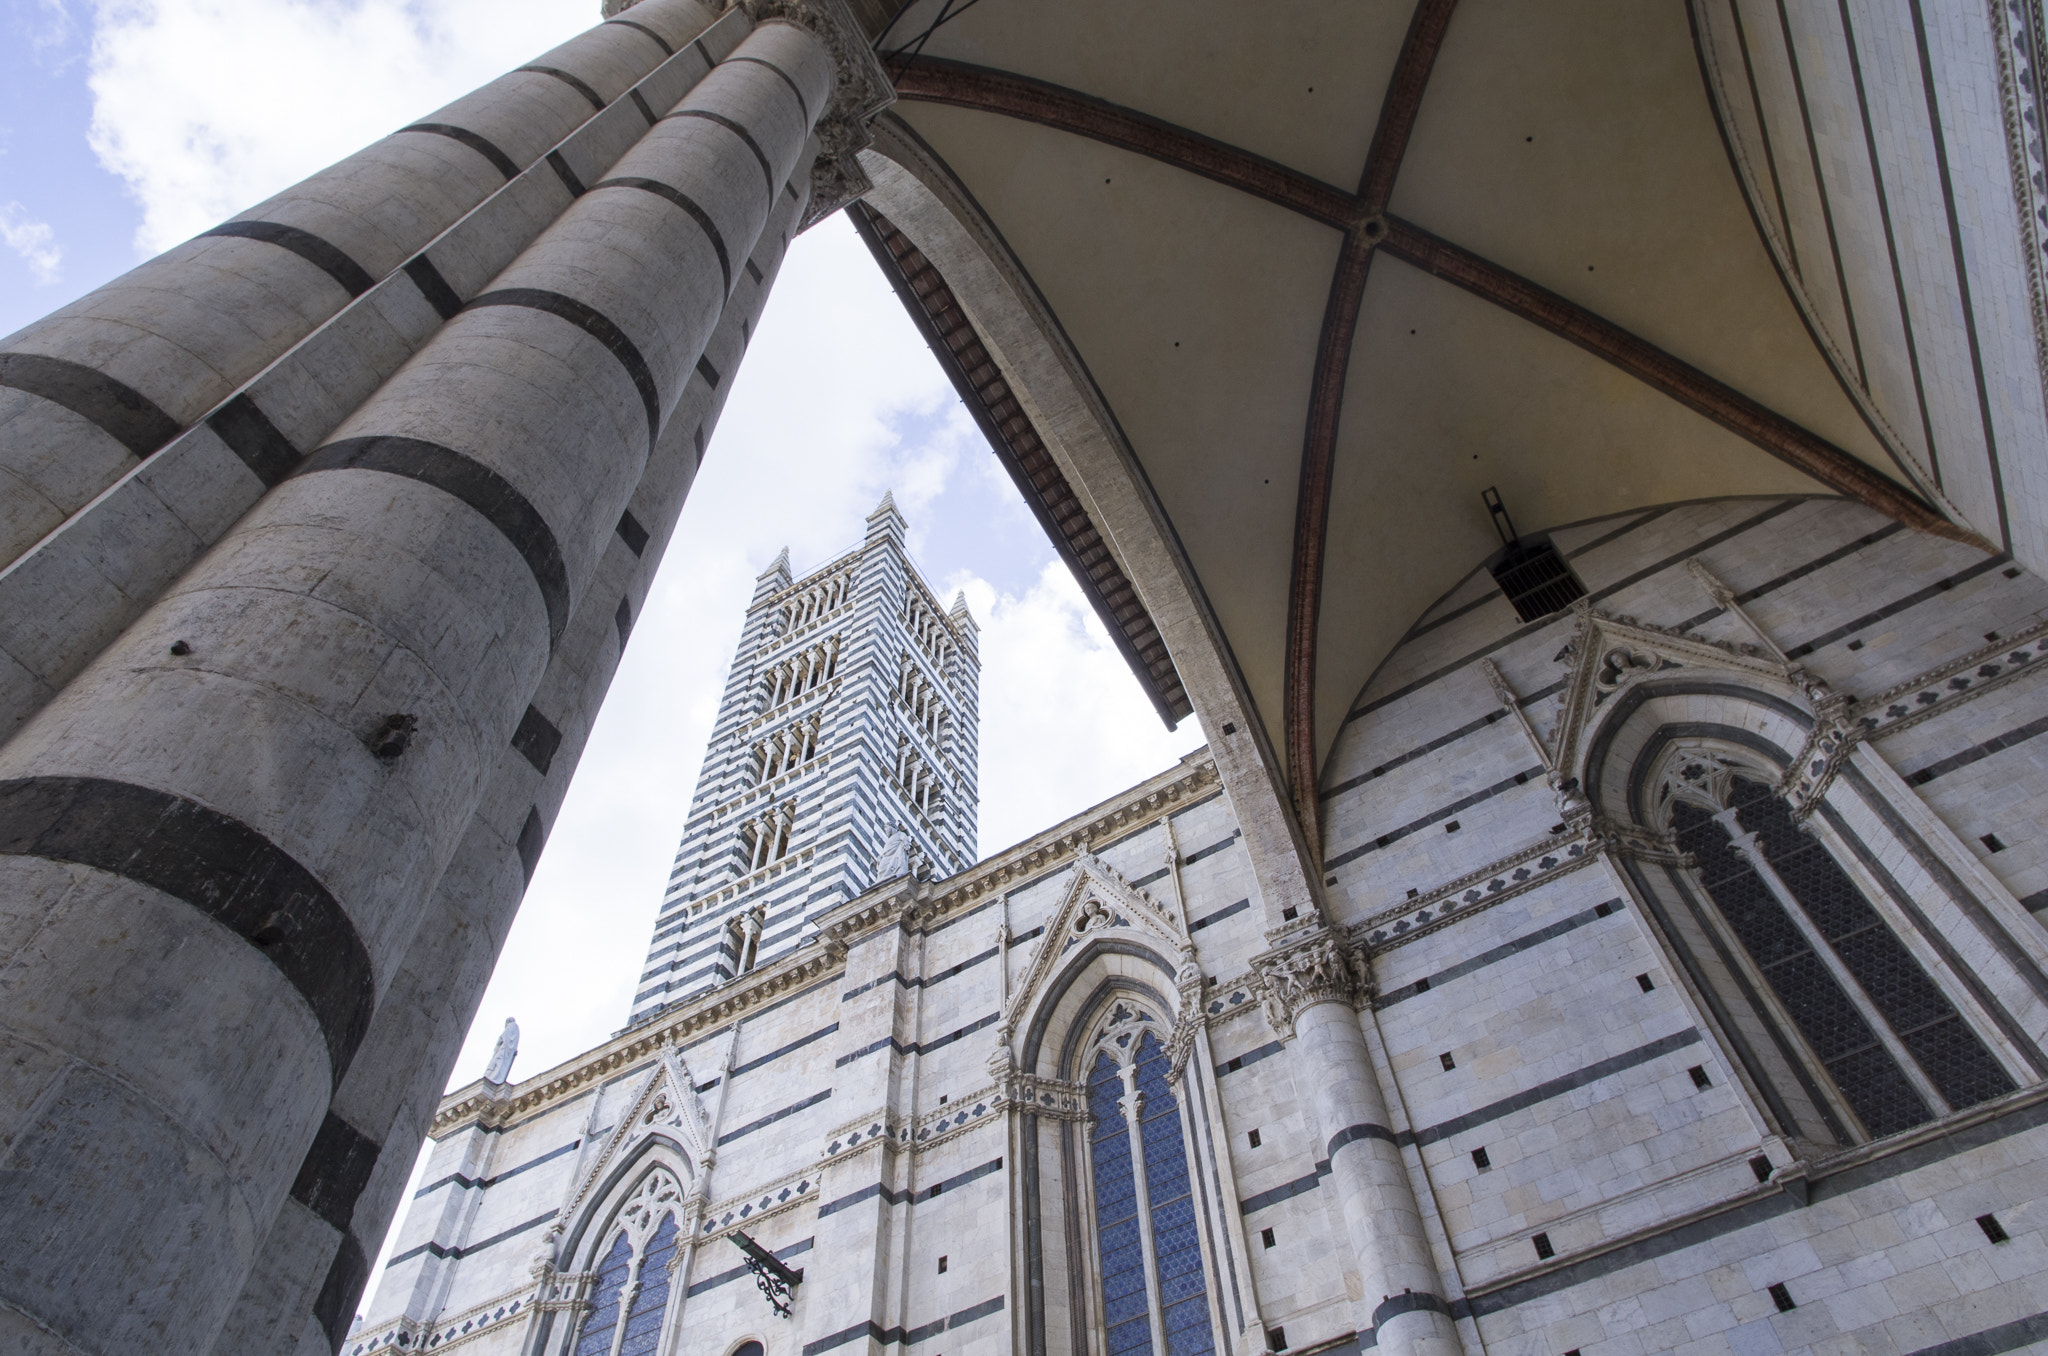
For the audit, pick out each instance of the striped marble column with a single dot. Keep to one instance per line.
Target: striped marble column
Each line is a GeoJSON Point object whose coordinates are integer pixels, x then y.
{"type": "Point", "coordinates": [143, 420]}
{"type": "Point", "coordinates": [1312, 982]}
{"type": "Point", "coordinates": [217, 842]}
{"type": "Point", "coordinates": [310, 1274]}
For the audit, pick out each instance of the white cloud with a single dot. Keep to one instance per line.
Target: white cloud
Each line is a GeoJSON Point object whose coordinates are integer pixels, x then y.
{"type": "Point", "coordinates": [34, 241]}
{"type": "Point", "coordinates": [205, 107]}
{"type": "Point", "coordinates": [1063, 723]}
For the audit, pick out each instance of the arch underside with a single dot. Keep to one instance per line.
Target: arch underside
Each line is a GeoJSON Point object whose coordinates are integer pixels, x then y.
{"type": "Point", "coordinates": [1166, 236]}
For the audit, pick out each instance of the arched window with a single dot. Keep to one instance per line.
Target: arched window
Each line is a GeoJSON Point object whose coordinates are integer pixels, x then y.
{"type": "Point", "coordinates": [1891, 1041]}
{"type": "Point", "coordinates": [633, 1280]}
{"type": "Point", "coordinates": [1155, 1299]}
{"type": "Point", "coordinates": [604, 1295]}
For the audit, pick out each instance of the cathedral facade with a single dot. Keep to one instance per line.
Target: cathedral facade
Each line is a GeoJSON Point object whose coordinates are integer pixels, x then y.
{"type": "Point", "coordinates": [1689, 928]}
{"type": "Point", "coordinates": [1583, 465]}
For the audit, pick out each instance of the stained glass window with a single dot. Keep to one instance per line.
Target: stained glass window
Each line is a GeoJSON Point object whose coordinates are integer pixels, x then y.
{"type": "Point", "coordinates": [604, 1314]}
{"type": "Point", "coordinates": [1924, 1020]}
{"type": "Point", "coordinates": [1170, 1221]}
{"type": "Point", "coordinates": [650, 1301]}
{"type": "Point", "coordinates": [1126, 1306]}
{"type": "Point", "coordinates": [1183, 1294]}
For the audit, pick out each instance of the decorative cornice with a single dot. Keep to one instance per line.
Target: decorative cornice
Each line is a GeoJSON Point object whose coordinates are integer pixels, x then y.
{"type": "Point", "coordinates": [924, 905]}
{"type": "Point", "coordinates": [1057, 847]}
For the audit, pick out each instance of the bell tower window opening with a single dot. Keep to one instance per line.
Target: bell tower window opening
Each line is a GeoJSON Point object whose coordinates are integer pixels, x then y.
{"type": "Point", "coordinates": [1154, 1292]}
{"type": "Point", "coordinates": [1895, 1046]}
{"type": "Point", "coordinates": [743, 936]}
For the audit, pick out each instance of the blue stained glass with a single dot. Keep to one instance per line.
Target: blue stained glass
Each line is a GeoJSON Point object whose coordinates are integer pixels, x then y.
{"type": "Point", "coordinates": [643, 1320]}
{"type": "Point", "coordinates": [1175, 1243]}
{"type": "Point", "coordinates": [1116, 1208]}
{"type": "Point", "coordinates": [604, 1315]}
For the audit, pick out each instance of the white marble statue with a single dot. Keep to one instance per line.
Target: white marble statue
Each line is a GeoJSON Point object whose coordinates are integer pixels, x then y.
{"type": "Point", "coordinates": [501, 1058]}
{"type": "Point", "coordinates": [895, 856]}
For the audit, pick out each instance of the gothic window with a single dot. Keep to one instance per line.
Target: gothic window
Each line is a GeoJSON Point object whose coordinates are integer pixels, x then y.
{"type": "Point", "coordinates": [1155, 1299]}
{"type": "Point", "coordinates": [650, 1302]}
{"type": "Point", "coordinates": [604, 1314]}
{"type": "Point", "coordinates": [633, 1280]}
{"type": "Point", "coordinates": [1895, 1046]}
{"type": "Point", "coordinates": [743, 938]}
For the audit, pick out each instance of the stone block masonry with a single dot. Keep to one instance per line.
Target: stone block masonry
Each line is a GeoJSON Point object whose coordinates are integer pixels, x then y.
{"type": "Point", "coordinates": [1543, 1081]}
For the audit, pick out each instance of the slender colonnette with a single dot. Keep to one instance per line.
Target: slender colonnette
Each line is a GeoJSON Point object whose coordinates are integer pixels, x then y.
{"type": "Point", "coordinates": [218, 841]}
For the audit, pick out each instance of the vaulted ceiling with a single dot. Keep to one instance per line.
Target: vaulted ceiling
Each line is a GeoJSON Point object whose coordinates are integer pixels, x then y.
{"type": "Point", "coordinates": [1337, 266]}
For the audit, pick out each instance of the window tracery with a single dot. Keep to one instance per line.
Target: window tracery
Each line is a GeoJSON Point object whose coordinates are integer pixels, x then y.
{"type": "Point", "coordinates": [799, 674]}
{"type": "Point", "coordinates": [764, 839]}
{"type": "Point", "coordinates": [629, 1298]}
{"type": "Point", "coordinates": [1154, 1289]}
{"type": "Point", "coordinates": [787, 749]}
{"type": "Point", "coordinates": [814, 602]}
{"type": "Point", "coordinates": [1895, 1046]}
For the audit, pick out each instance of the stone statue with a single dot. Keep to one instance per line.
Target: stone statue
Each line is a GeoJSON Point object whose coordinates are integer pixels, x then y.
{"type": "Point", "coordinates": [895, 856]}
{"type": "Point", "coordinates": [501, 1058]}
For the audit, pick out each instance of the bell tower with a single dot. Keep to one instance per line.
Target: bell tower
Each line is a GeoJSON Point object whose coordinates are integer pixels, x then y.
{"type": "Point", "coordinates": [850, 715]}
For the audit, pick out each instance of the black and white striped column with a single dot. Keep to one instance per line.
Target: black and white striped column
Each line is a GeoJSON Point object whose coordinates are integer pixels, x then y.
{"type": "Point", "coordinates": [217, 842]}
{"type": "Point", "coordinates": [310, 1273]}
{"type": "Point", "coordinates": [316, 298]}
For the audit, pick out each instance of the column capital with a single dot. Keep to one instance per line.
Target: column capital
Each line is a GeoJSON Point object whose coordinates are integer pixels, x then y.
{"type": "Point", "coordinates": [862, 90]}
{"type": "Point", "coordinates": [1310, 966]}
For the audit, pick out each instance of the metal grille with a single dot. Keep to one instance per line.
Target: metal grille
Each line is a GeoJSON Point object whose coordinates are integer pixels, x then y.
{"type": "Point", "coordinates": [1927, 1024]}
{"type": "Point", "coordinates": [1536, 579]}
{"type": "Point", "coordinates": [1844, 1043]}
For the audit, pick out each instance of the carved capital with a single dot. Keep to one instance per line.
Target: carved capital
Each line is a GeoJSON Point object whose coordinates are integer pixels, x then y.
{"type": "Point", "coordinates": [863, 89]}
{"type": "Point", "coordinates": [1317, 967]}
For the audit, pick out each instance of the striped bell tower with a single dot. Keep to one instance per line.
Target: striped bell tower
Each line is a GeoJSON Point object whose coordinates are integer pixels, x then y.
{"type": "Point", "coordinates": [851, 715]}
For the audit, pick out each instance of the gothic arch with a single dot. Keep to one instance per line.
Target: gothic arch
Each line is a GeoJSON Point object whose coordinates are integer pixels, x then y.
{"type": "Point", "coordinates": [1103, 929]}
{"type": "Point", "coordinates": [1714, 775]}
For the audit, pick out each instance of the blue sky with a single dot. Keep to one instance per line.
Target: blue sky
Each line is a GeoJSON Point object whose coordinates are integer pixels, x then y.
{"type": "Point", "coordinates": [48, 174]}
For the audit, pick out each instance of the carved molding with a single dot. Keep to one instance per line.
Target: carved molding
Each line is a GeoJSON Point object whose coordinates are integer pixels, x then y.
{"type": "Point", "coordinates": [862, 90]}
{"type": "Point", "coordinates": [1310, 966]}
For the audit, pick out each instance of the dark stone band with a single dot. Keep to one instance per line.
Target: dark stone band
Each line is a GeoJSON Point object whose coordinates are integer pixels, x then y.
{"type": "Point", "coordinates": [118, 410]}
{"type": "Point", "coordinates": [659, 41]}
{"type": "Point", "coordinates": [783, 76]}
{"type": "Point", "coordinates": [1408, 1302]}
{"type": "Point", "coordinates": [499, 160]}
{"type": "Point", "coordinates": [251, 436]}
{"type": "Point", "coordinates": [536, 740]}
{"type": "Point", "coordinates": [217, 864]}
{"type": "Point", "coordinates": [1351, 1134]}
{"type": "Point", "coordinates": [335, 1306]}
{"type": "Point", "coordinates": [767, 175]}
{"type": "Point", "coordinates": [335, 1171]}
{"type": "Point", "coordinates": [476, 485]}
{"type": "Point", "coordinates": [565, 174]}
{"type": "Point", "coordinates": [641, 104]}
{"type": "Point", "coordinates": [572, 82]}
{"type": "Point", "coordinates": [328, 258]}
{"type": "Point", "coordinates": [697, 214]}
{"type": "Point", "coordinates": [598, 326]}
{"type": "Point", "coordinates": [433, 286]}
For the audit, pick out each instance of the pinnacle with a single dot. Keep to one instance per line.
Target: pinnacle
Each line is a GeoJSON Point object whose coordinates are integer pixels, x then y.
{"type": "Point", "coordinates": [888, 505]}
